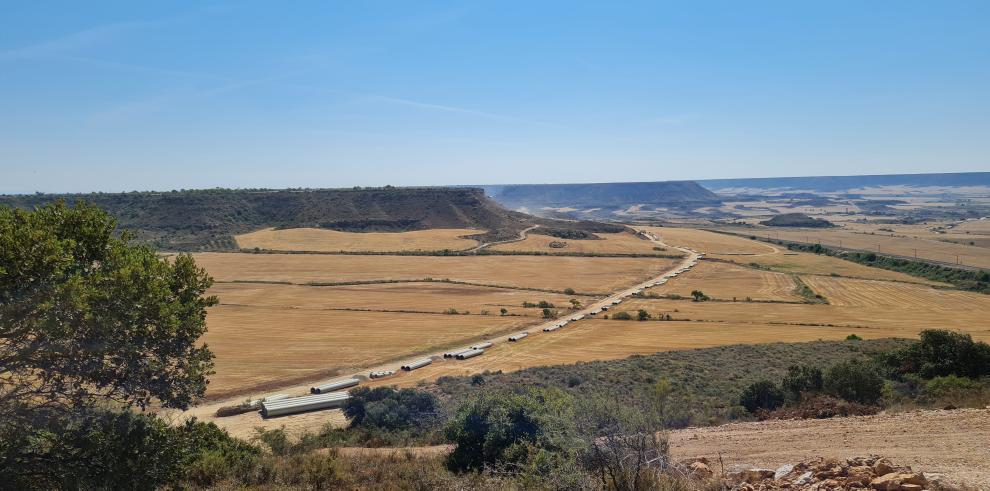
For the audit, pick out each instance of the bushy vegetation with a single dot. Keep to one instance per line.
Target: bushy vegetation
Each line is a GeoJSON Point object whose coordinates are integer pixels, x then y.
{"type": "Point", "coordinates": [703, 386]}
{"type": "Point", "coordinates": [941, 353]}
{"type": "Point", "coordinates": [854, 381]}
{"type": "Point", "coordinates": [762, 395]}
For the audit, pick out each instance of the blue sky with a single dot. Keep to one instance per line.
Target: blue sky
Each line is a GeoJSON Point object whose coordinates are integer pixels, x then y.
{"type": "Point", "coordinates": [165, 95]}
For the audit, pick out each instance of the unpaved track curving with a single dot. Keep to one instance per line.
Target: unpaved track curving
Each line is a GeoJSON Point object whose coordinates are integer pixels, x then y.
{"type": "Point", "coordinates": [955, 443]}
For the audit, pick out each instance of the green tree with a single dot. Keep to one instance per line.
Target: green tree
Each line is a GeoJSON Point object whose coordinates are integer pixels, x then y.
{"type": "Point", "coordinates": [550, 313]}
{"type": "Point", "coordinates": [940, 353]}
{"type": "Point", "coordinates": [621, 316]}
{"type": "Point", "coordinates": [762, 395]}
{"type": "Point", "coordinates": [643, 315]}
{"type": "Point", "coordinates": [86, 316]}
{"type": "Point", "coordinates": [854, 380]}
{"type": "Point", "coordinates": [575, 303]}
{"type": "Point", "coordinates": [503, 311]}
{"type": "Point", "coordinates": [499, 428]}
{"type": "Point", "coordinates": [90, 320]}
{"type": "Point", "coordinates": [699, 296]}
{"type": "Point", "coordinates": [800, 379]}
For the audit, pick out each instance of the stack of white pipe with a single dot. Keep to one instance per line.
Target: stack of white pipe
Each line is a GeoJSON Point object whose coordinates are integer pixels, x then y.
{"type": "Point", "coordinates": [301, 404]}
{"type": "Point", "coordinates": [517, 337]}
{"type": "Point", "coordinates": [332, 386]}
{"type": "Point", "coordinates": [453, 354]}
{"type": "Point", "coordinates": [274, 397]}
{"type": "Point", "coordinates": [416, 364]}
{"type": "Point", "coordinates": [482, 345]}
{"type": "Point", "coordinates": [382, 373]}
{"type": "Point", "coordinates": [469, 354]}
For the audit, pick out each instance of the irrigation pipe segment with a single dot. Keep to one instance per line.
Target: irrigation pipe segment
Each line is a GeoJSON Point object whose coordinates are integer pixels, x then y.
{"type": "Point", "coordinates": [690, 260]}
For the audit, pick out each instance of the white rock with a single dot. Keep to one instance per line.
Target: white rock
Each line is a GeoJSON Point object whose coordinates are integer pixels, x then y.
{"type": "Point", "coordinates": [804, 479]}
{"type": "Point", "coordinates": [783, 471]}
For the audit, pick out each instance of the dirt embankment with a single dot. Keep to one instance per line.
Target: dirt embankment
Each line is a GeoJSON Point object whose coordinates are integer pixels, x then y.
{"type": "Point", "coordinates": [955, 444]}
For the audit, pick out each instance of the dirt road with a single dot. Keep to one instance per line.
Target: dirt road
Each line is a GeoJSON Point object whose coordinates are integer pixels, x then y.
{"type": "Point", "coordinates": [955, 444]}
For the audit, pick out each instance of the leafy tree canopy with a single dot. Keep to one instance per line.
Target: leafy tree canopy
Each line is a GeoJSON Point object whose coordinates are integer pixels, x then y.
{"type": "Point", "coordinates": [86, 315]}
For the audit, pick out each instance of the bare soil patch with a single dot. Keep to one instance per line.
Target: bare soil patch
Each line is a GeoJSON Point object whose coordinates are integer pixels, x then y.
{"type": "Point", "coordinates": [952, 443]}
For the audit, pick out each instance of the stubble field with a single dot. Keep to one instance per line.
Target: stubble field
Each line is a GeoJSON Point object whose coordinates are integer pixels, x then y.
{"type": "Point", "coordinates": [583, 274]}
{"type": "Point", "coordinates": [324, 240]}
{"type": "Point", "coordinates": [726, 281]}
{"type": "Point", "coordinates": [621, 243]}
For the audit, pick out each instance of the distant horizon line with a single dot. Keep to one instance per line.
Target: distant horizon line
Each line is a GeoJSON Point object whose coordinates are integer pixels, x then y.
{"type": "Point", "coordinates": [387, 186]}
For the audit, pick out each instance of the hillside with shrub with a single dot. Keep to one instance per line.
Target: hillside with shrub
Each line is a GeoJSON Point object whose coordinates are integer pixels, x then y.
{"type": "Point", "coordinates": [197, 220]}
{"type": "Point", "coordinates": [797, 220]}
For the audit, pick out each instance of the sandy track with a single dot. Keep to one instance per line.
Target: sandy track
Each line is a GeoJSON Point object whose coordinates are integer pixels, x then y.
{"type": "Point", "coordinates": [955, 444]}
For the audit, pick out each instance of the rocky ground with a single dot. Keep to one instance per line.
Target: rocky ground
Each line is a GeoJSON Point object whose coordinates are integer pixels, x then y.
{"type": "Point", "coordinates": [953, 446]}
{"type": "Point", "coordinates": [874, 473]}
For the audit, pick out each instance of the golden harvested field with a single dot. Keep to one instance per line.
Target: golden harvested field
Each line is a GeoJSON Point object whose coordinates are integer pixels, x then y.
{"type": "Point", "coordinates": [419, 297]}
{"type": "Point", "coordinates": [807, 263]}
{"type": "Point", "coordinates": [710, 242]}
{"type": "Point", "coordinates": [257, 346]}
{"type": "Point", "coordinates": [583, 274]}
{"type": "Point", "coordinates": [903, 311]}
{"type": "Point", "coordinates": [847, 292]}
{"type": "Point", "coordinates": [623, 243]}
{"type": "Point", "coordinates": [324, 240]}
{"type": "Point", "coordinates": [726, 281]}
{"type": "Point", "coordinates": [903, 246]}
{"type": "Point", "coordinates": [743, 251]}
{"type": "Point", "coordinates": [907, 310]}
{"type": "Point", "coordinates": [980, 227]}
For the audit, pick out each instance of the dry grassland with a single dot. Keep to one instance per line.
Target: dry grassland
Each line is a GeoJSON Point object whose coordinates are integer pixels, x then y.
{"type": "Point", "coordinates": [621, 243]}
{"type": "Point", "coordinates": [727, 281]}
{"type": "Point", "coordinates": [323, 240]}
{"type": "Point", "coordinates": [256, 346]}
{"type": "Point", "coordinates": [584, 274]}
{"type": "Point", "coordinates": [418, 297]}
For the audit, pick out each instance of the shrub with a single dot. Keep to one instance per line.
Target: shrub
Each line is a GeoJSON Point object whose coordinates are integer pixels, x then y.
{"type": "Point", "coordinates": [621, 316]}
{"type": "Point", "coordinates": [550, 313]}
{"type": "Point", "coordinates": [497, 429]}
{"type": "Point", "coordinates": [853, 337]}
{"type": "Point", "coordinates": [390, 409]}
{"type": "Point", "coordinates": [801, 379]}
{"type": "Point", "coordinates": [544, 304]}
{"type": "Point", "coordinates": [951, 388]}
{"type": "Point", "coordinates": [568, 291]}
{"type": "Point", "coordinates": [503, 311]}
{"type": "Point", "coordinates": [854, 380]}
{"type": "Point", "coordinates": [643, 315]}
{"type": "Point", "coordinates": [762, 395]}
{"type": "Point", "coordinates": [941, 352]}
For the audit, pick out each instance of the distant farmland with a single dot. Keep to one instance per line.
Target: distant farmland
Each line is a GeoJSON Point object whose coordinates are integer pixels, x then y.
{"type": "Point", "coordinates": [323, 240]}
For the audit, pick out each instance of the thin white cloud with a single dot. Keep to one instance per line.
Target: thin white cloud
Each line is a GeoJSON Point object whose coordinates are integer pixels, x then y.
{"type": "Point", "coordinates": [457, 110]}
{"type": "Point", "coordinates": [71, 42]}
